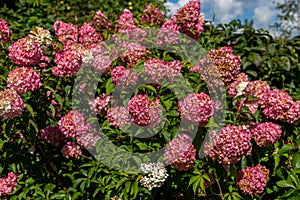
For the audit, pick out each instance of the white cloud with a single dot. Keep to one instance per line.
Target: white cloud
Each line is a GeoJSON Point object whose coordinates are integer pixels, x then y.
{"type": "Point", "coordinates": [226, 10]}
{"type": "Point", "coordinates": [263, 15]}
{"type": "Point", "coordinates": [173, 7]}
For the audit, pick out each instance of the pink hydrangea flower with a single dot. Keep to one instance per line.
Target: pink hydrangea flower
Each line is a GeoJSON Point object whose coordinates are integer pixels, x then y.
{"type": "Point", "coordinates": [66, 33]}
{"type": "Point", "coordinates": [8, 183]}
{"type": "Point", "coordinates": [266, 133]}
{"type": "Point", "coordinates": [124, 78]}
{"type": "Point", "coordinates": [160, 70]}
{"type": "Point", "coordinates": [100, 21]}
{"type": "Point", "coordinates": [229, 145]}
{"type": "Point", "coordinates": [23, 80]}
{"type": "Point", "coordinates": [25, 52]}
{"type": "Point", "coordinates": [102, 62]}
{"type": "Point", "coordinates": [52, 135]}
{"type": "Point", "coordinates": [71, 150]}
{"type": "Point", "coordinates": [168, 33]}
{"type": "Point", "coordinates": [134, 52]}
{"type": "Point", "coordinates": [118, 117]}
{"type": "Point", "coordinates": [88, 36]}
{"type": "Point", "coordinates": [68, 63]}
{"type": "Point", "coordinates": [253, 180]}
{"type": "Point", "coordinates": [256, 88]}
{"type": "Point", "coordinates": [11, 104]}
{"type": "Point", "coordinates": [73, 124]}
{"type": "Point", "coordinates": [196, 108]}
{"type": "Point", "coordinates": [141, 108]}
{"type": "Point", "coordinates": [5, 32]}
{"type": "Point", "coordinates": [88, 140]}
{"type": "Point", "coordinates": [227, 63]}
{"type": "Point", "coordinates": [189, 20]}
{"type": "Point", "coordinates": [293, 114]}
{"type": "Point", "coordinates": [99, 104]}
{"type": "Point", "coordinates": [232, 89]}
{"type": "Point", "coordinates": [152, 15]}
{"type": "Point", "coordinates": [125, 22]}
{"type": "Point", "coordinates": [276, 103]}
{"type": "Point", "coordinates": [180, 153]}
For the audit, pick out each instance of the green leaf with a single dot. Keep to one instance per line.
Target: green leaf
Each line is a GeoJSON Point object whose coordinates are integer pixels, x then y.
{"type": "Point", "coordinates": [276, 160]}
{"type": "Point", "coordinates": [109, 86]}
{"type": "Point", "coordinates": [30, 110]}
{"type": "Point", "coordinates": [285, 183]}
{"type": "Point", "coordinates": [286, 148]}
{"type": "Point", "coordinates": [296, 160]}
{"type": "Point", "coordinates": [149, 87]}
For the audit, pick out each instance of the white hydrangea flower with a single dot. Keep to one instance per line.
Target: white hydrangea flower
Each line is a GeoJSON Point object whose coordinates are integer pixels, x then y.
{"type": "Point", "coordinates": [155, 175]}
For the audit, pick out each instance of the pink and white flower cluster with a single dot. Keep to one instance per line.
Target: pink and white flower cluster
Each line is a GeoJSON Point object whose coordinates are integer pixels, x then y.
{"type": "Point", "coordinates": [8, 183]}
{"type": "Point", "coordinates": [25, 52]}
{"type": "Point", "coordinates": [100, 103]}
{"type": "Point", "coordinates": [66, 33]}
{"type": "Point", "coordinates": [229, 145]}
{"type": "Point", "coordinates": [180, 153]}
{"type": "Point", "coordinates": [253, 180]}
{"type": "Point", "coordinates": [133, 53]}
{"type": "Point", "coordinates": [118, 117]}
{"type": "Point", "coordinates": [88, 36]}
{"type": "Point", "coordinates": [124, 78]}
{"type": "Point", "coordinates": [160, 70]}
{"type": "Point", "coordinates": [100, 21]}
{"type": "Point", "coordinates": [71, 150]}
{"type": "Point", "coordinates": [23, 80]}
{"type": "Point", "coordinates": [266, 133]}
{"type": "Point", "coordinates": [152, 15]}
{"type": "Point", "coordinates": [5, 32]}
{"type": "Point", "coordinates": [11, 104]}
{"type": "Point", "coordinates": [155, 175]}
{"type": "Point", "coordinates": [196, 108]}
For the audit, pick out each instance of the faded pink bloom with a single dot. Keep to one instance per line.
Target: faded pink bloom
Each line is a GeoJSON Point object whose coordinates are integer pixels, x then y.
{"type": "Point", "coordinates": [88, 140]}
{"type": "Point", "coordinates": [152, 15]}
{"type": "Point", "coordinates": [168, 33]}
{"type": "Point", "coordinates": [232, 89]}
{"type": "Point", "coordinates": [124, 78]}
{"type": "Point", "coordinates": [189, 20]}
{"type": "Point", "coordinates": [8, 183]}
{"type": "Point", "coordinates": [66, 33]}
{"type": "Point", "coordinates": [160, 70]}
{"type": "Point", "coordinates": [99, 104]}
{"type": "Point", "coordinates": [229, 145]}
{"type": "Point", "coordinates": [134, 52]}
{"type": "Point", "coordinates": [102, 61]}
{"type": "Point", "coordinates": [256, 88]}
{"type": "Point", "coordinates": [73, 124]}
{"type": "Point", "coordinates": [23, 80]}
{"type": "Point", "coordinates": [100, 21]}
{"type": "Point", "coordinates": [253, 180]}
{"type": "Point", "coordinates": [118, 117]}
{"type": "Point", "coordinates": [44, 62]}
{"type": "Point", "coordinates": [276, 104]}
{"type": "Point", "coordinates": [293, 114]}
{"type": "Point", "coordinates": [52, 135]}
{"type": "Point", "coordinates": [71, 150]}
{"type": "Point", "coordinates": [196, 108]}
{"type": "Point", "coordinates": [180, 153]}
{"type": "Point", "coordinates": [88, 36]}
{"type": "Point", "coordinates": [266, 133]}
{"type": "Point", "coordinates": [11, 104]}
{"type": "Point", "coordinates": [5, 32]}
{"type": "Point", "coordinates": [68, 63]}
{"type": "Point", "coordinates": [25, 52]}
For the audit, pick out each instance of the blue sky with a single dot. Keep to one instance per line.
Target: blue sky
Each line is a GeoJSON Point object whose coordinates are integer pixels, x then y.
{"type": "Point", "coordinates": [261, 11]}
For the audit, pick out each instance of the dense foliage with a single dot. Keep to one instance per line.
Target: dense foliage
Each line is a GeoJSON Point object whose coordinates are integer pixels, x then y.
{"type": "Point", "coordinates": [49, 146]}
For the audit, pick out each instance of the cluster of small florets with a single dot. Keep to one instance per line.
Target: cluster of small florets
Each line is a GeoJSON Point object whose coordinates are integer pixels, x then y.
{"type": "Point", "coordinates": [71, 150]}
{"type": "Point", "coordinates": [66, 33]}
{"type": "Point", "coordinates": [118, 117]}
{"type": "Point", "coordinates": [68, 63]}
{"type": "Point", "coordinates": [180, 153]}
{"type": "Point", "coordinates": [88, 36]}
{"type": "Point", "coordinates": [42, 37]}
{"type": "Point", "coordinates": [229, 145]}
{"type": "Point", "coordinates": [196, 108]}
{"type": "Point", "coordinates": [102, 62]}
{"type": "Point", "coordinates": [168, 33]}
{"type": "Point", "coordinates": [125, 22]}
{"type": "Point", "coordinates": [139, 108]}
{"type": "Point", "coordinates": [100, 103]}
{"type": "Point", "coordinates": [189, 20]}
{"type": "Point", "coordinates": [23, 80]}
{"type": "Point", "coordinates": [160, 70]}
{"type": "Point", "coordinates": [236, 88]}
{"type": "Point", "coordinates": [156, 175]}
{"type": "Point", "coordinates": [152, 15]}
{"type": "Point", "coordinates": [266, 133]}
{"type": "Point", "coordinates": [8, 183]}
{"type": "Point", "coordinates": [52, 135]}
{"type": "Point", "coordinates": [124, 78]}
{"type": "Point", "coordinates": [256, 88]}
{"type": "Point", "coordinates": [11, 104]}
{"type": "Point", "coordinates": [100, 21]}
{"type": "Point", "coordinates": [227, 63]}
{"type": "Point", "coordinates": [25, 52]}
{"type": "Point", "coordinates": [293, 114]}
{"type": "Point", "coordinates": [276, 104]}
{"type": "Point", "coordinates": [5, 32]}
{"type": "Point", "coordinates": [253, 180]}
{"type": "Point", "coordinates": [73, 124]}
{"type": "Point", "coordinates": [155, 113]}
{"type": "Point", "coordinates": [134, 53]}
{"type": "Point", "coordinates": [88, 140]}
